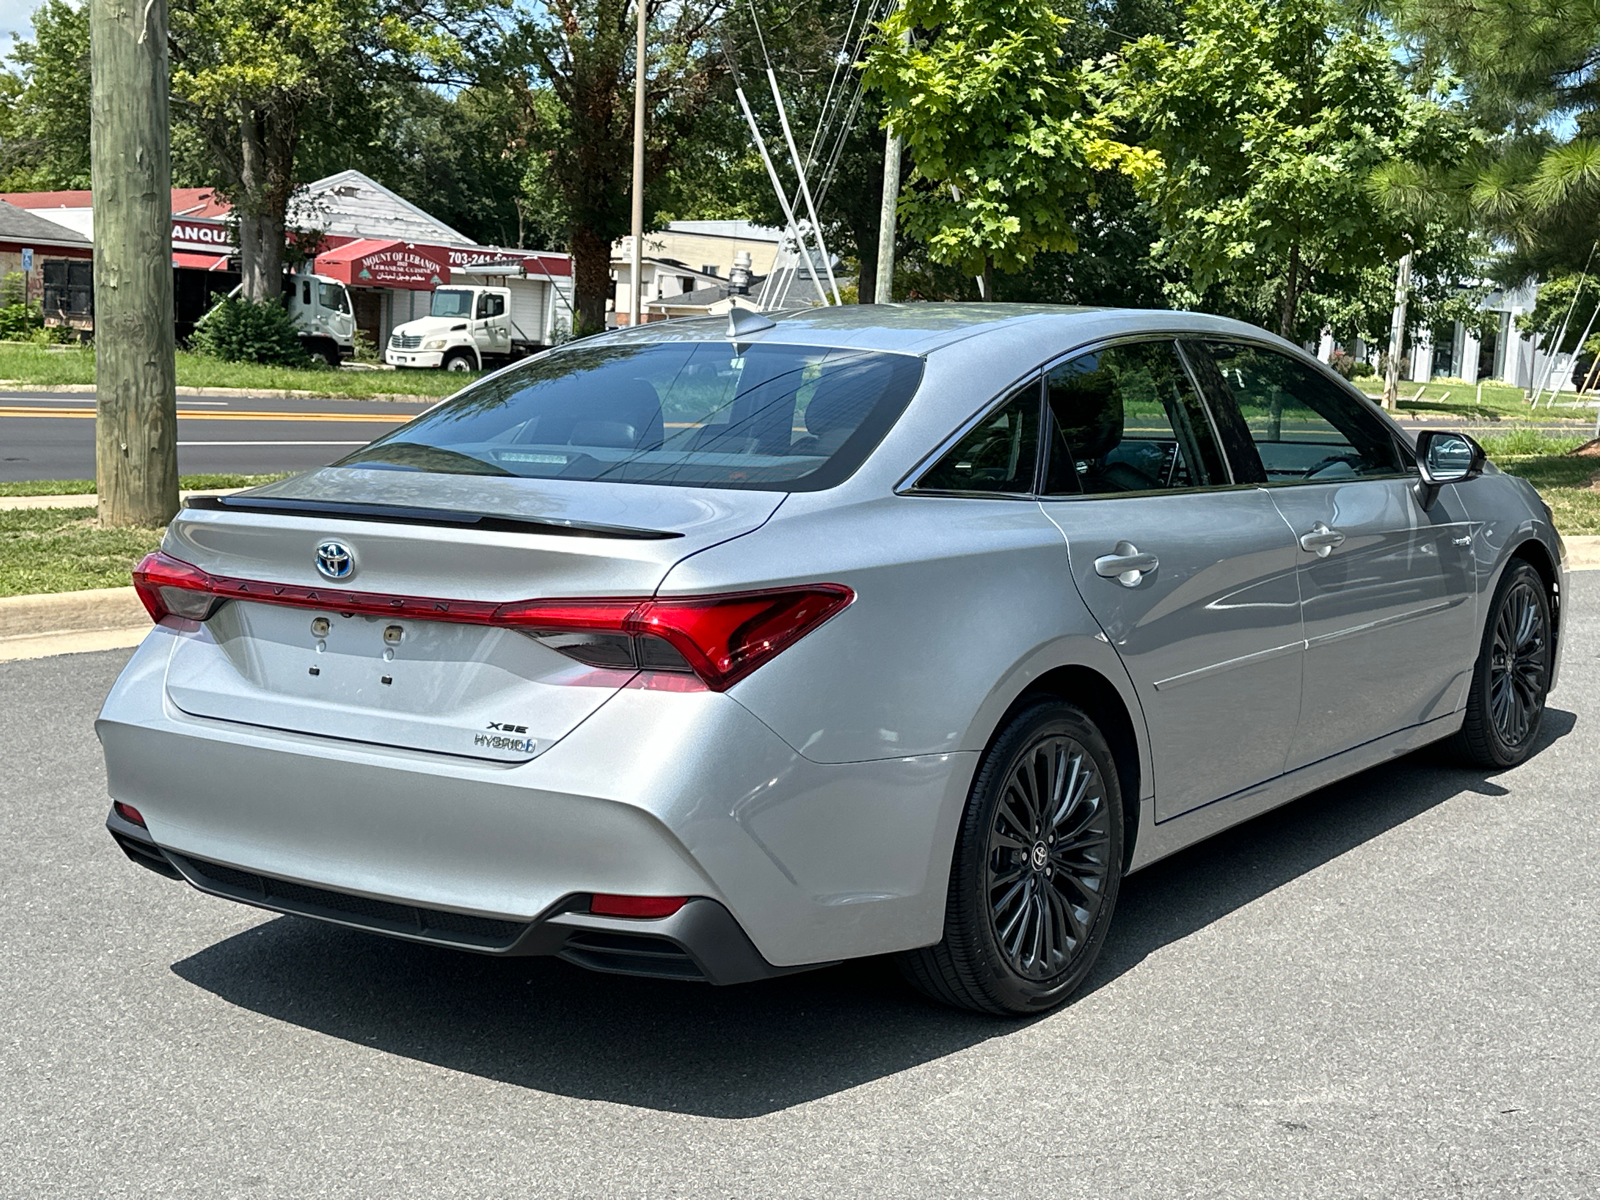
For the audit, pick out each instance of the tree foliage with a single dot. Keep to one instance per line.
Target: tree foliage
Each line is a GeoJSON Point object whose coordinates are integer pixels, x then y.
{"type": "Point", "coordinates": [1000, 125]}
{"type": "Point", "coordinates": [1268, 118]}
{"type": "Point", "coordinates": [44, 104]}
{"type": "Point", "coordinates": [1531, 71]}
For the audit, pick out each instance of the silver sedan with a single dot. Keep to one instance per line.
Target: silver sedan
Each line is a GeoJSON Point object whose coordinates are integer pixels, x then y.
{"type": "Point", "coordinates": [722, 649]}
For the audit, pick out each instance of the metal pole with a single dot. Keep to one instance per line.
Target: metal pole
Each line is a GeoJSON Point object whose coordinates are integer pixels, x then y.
{"type": "Point", "coordinates": [777, 188]}
{"type": "Point", "coordinates": [883, 286]}
{"type": "Point", "coordinates": [636, 281]}
{"type": "Point", "coordinates": [136, 417]}
{"type": "Point", "coordinates": [805, 190]}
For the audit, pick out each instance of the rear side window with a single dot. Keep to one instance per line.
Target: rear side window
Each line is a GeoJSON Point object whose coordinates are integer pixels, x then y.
{"type": "Point", "coordinates": [999, 454]}
{"type": "Point", "coordinates": [1302, 426]}
{"type": "Point", "coordinates": [684, 414]}
{"type": "Point", "coordinates": [1127, 419]}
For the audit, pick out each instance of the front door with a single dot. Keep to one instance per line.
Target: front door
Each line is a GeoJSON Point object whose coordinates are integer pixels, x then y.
{"type": "Point", "coordinates": [1385, 585]}
{"type": "Point", "coordinates": [1190, 577]}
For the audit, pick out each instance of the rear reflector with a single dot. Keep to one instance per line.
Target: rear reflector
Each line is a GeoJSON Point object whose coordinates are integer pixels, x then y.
{"type": "Point", "coordinates": [720, 639]}
{"type": "Point", "coordinates": [636, 906]}
{"type": "Point", "coordinates": [128, 813]}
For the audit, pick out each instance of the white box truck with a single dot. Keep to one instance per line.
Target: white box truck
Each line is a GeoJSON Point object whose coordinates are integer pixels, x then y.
{"type": "Point", "coordinates": [477, 326]}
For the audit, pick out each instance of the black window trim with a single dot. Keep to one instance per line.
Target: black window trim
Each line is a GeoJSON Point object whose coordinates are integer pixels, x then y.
{"type": "Point", "coordinates": [1407, 457]}
{"type": "Point", "coordinates": [909, 482]}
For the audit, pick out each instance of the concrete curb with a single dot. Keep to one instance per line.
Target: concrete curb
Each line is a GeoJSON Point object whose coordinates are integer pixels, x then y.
{"type": "Point", "coordinates": [88, 389]}
{"type": "Point", "coordinates": [89, 499]}
{"type": "Point", "coordinates": [70, 622]}
{"type": "Point", "coordinates": [113, 618]}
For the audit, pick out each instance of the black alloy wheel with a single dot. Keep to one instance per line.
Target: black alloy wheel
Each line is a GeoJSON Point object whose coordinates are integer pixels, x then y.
{"type": "Point", "coordinates": [1512, 674]}
{"type": "Point", "coordinates": [1037, 868]}
{"type": "Point", "coordinates": [1047, 863]}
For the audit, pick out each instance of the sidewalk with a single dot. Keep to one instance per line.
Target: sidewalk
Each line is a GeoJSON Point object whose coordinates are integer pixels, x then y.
{"type": "Point", "coordinates": [88, 389]}
{"type": "Point", "coordinates": [89, 499]}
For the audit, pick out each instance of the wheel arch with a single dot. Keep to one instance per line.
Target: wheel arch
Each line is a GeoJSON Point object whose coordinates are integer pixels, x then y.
{"type": "Point", "coordinates": [1121, 724]}
{"type": "Point", "coordinates": [1537, 555]}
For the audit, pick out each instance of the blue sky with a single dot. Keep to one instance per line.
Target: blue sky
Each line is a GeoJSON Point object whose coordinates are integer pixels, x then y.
{"type": "Point", "coordinates": [16, 16]}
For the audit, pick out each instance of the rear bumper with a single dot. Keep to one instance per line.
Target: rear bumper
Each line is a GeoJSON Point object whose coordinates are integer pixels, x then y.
{"type": "Point", "coordinates": [701, 942]}
{"type": "Point", "coordinates": [656, 793]}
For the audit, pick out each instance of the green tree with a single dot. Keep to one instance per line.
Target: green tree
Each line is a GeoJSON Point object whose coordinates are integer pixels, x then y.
{"type": "Point", "coordinates": [571, 64]}
{"type": "Point", "coordinates": [1268, 119]}
{"type": "Point", "coordinates": [44, 104]}
{"type": "Point", "coordinates": [255, 77]}
{"type": "Point", "coordinates": [1002, 128]}
{"type": "Point", "coordinates": [1531, 71]}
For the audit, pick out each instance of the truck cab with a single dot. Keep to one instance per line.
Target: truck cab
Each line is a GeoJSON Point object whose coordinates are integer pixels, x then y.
{"type": "Point", "coordinates": [323, 315]}
{"type": "Point", "coordinates": [466, 329]}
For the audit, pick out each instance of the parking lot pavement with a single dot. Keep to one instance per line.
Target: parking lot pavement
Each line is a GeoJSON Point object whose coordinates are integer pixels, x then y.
{"type": "Point", "coordinates": [1387, 989]}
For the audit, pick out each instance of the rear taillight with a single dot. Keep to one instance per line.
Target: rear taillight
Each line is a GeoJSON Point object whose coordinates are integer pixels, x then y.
{"type": "Point", "coordinates": [719, 639]}
{"type": "Point", "coordinates": [171, 587]}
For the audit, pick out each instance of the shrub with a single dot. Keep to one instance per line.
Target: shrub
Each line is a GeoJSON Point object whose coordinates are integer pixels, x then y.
{"type": "Point", "coordinates": [1343, 362]}
{"type": "Point", "coordinates": [1362, 370]}
{"type": "Point", "coordinates": [240, 330]}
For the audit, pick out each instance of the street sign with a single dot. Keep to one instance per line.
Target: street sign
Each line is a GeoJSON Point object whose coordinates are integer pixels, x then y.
{"type": "Point", "coordinates": [27, 260]}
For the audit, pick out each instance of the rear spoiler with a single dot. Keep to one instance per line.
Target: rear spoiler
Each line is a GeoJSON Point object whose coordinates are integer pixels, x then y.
{"type": "Point", "coordinates": [395, 514]}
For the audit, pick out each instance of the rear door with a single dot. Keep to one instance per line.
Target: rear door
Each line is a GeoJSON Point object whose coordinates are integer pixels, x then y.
{"type": "Point", "coordinates": [1191, 577]}
{"type": "Point", "coordinates": [1385, 585]}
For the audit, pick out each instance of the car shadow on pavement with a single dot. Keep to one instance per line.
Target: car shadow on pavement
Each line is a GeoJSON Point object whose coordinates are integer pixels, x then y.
{"type": "Point", "coordinates": [750, 1050]}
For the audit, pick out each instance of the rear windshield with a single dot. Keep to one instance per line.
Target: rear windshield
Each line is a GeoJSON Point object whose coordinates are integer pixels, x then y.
{"type": "Point", "coordinates": [688, 414]}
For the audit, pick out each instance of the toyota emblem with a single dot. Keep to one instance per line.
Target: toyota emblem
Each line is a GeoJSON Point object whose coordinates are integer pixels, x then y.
{"type": "Point", "coordinates": [335, 561]}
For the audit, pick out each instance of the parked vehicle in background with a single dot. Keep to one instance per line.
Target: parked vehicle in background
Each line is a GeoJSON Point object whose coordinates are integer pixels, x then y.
{"type": "Point", "coordinates": [721, 649]}
{"type": "Point", "coordinates": [323, 315]}
{"type": "Point", "coordinates": [469, 329]}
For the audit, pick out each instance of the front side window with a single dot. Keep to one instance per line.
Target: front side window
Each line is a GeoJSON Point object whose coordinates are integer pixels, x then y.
{"type": "Point", "coordinates": [451, 302]}
{"type": "Point", "coordinates": [684, 414]}
{"type": "Point", "coordinates": [1127, 419]}
{"type": "Point", "coordinates": [1304, 427]}
{"type": "Point", "coordinates": [997, 455]}
{"type": "Point", "coordinates": [333, 297]}
{"type": "Point", "coordinates": [490, 305]}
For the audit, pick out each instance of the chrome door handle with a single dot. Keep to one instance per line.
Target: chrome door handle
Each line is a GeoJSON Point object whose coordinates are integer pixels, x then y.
{"type": "Point", "coordinates": [1126, 564]}
{"type": "Point", "coordinates": [1321, 540]}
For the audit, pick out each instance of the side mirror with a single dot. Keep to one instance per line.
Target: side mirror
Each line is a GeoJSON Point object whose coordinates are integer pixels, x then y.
{"type": "Point", "coordinates": [1445, 457]}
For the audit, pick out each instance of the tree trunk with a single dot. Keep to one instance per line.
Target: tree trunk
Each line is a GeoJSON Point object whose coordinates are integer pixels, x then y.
{"type": "Point", "coordinates": [1291, 295]}
{"type": "Point", "coordinates": [986, 280]}
{"type": "Point", "coordinates": [591, 279]}
{"type": "Point", "coordinates": [136, 418]}
{"type": "Point", "coordinates": [261, 210]}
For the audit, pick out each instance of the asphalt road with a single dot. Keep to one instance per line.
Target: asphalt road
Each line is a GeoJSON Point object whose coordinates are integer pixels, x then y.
{"type": "Point", "coordinates": [45, 435]}
{"type": "Point", "coordinates": [1387, 989]}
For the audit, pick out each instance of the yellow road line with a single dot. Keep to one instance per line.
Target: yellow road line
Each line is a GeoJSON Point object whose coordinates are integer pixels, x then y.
{"type": "Point", "coordinates": [191, 414]}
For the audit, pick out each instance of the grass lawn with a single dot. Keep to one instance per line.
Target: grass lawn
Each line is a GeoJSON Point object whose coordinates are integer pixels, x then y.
{"type": "Point", "coordinates": [62, 550]}
{"type": "Point", "coordinates": [85, 487]}
{"type": "Point", "coordinates": [36, 365]}
{"type": "Point", "coordinates": [1493, 402]}
{"type": "Point", "coordinates": [1565, 481]}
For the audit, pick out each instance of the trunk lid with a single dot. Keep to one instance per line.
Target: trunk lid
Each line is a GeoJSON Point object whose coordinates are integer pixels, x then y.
{"type": "Point", "coordinates": [427, 685]}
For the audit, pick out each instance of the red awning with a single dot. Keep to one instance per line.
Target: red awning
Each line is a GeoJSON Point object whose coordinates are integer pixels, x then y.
{"type": "Point", "coordinates": [387, 264]}
{"type": "Point", "coordinates": [199, 262]}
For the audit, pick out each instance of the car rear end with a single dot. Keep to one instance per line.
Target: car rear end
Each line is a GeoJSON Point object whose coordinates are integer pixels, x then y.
{"type": "Point", "coordinates": [440, 691]}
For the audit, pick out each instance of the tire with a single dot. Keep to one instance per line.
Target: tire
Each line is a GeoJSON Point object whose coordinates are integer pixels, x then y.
{"type": "Point", "coordinates": [1506, 702]}
{"type": "Point", "coordinates": [1010, 945]}
{"type": "Point", "coordinates": [323, 354]}
{"type": "Point", "coordinates": [458, 360]}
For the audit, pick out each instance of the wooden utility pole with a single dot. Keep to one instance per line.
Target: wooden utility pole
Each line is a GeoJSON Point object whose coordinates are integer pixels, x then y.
{"type": "Point", "coordinates": [883, 285]}
{"type": "Point", "coordinates": [136, 415]}
{"type": "Point", "coordinates": [636, 258]}
{"type": "Point", "coordinates": [1397, 333]}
